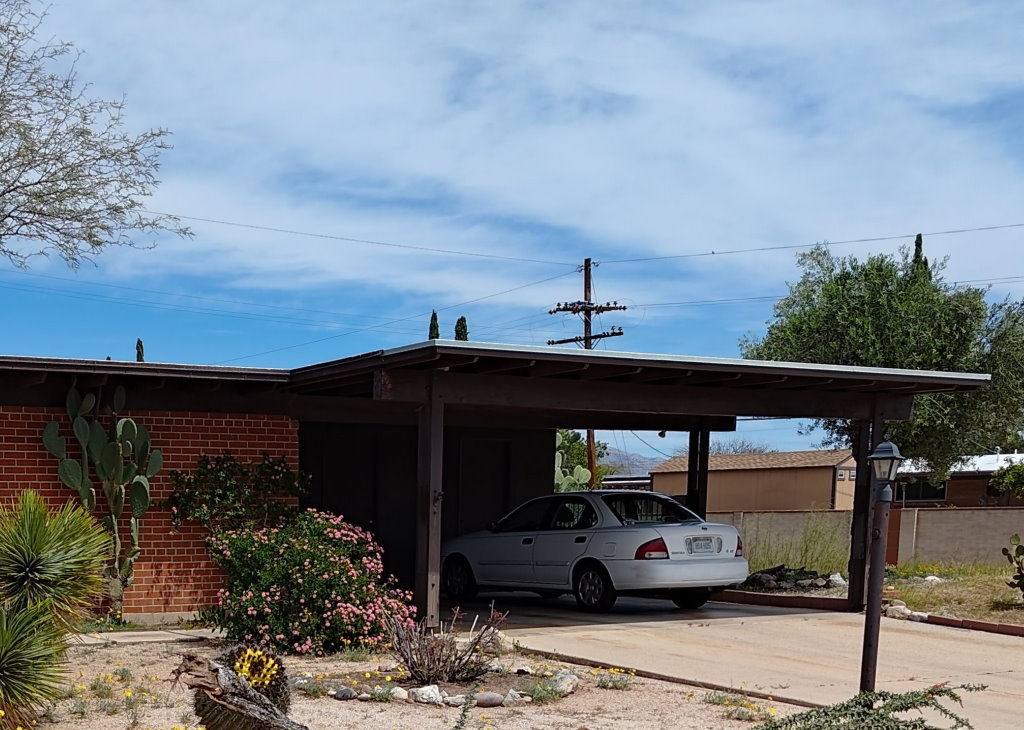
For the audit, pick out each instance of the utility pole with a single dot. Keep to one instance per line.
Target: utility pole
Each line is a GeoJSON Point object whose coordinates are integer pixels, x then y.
{"type": "Point", "coordinates": [588, 309]}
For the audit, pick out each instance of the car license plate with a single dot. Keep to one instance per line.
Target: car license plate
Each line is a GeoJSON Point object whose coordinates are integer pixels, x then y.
{"type": "Point", "coordinates": [703, 545]}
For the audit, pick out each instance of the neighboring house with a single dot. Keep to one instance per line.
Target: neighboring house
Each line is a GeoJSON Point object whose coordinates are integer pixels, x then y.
{"type": "Point", "coordinates": [784, 480]}
{"type": "Point", "coordinates": [966, 486]}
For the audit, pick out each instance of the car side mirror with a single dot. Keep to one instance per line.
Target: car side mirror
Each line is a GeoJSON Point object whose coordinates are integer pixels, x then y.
{"type": "Point", "coordinates": [492, 526]}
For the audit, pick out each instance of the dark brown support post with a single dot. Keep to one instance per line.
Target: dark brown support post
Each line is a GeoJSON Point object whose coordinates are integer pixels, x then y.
{"type": "Point", "coordinates": [693, 471]}
{"type": "Point", "coordinates": [703, 463]}
{"type": "Point", "coordinates": [428, 513]}
{"type": "Point", "coordinates": [858, 569]}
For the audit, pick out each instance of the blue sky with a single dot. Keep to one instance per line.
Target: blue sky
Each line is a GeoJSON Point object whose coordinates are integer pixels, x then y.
{"type": "Point", "coordinates": [543, 132]}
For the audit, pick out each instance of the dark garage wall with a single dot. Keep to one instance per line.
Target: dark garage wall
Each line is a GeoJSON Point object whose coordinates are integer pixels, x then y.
{"type": "Point", "coordinates": [368, 474]}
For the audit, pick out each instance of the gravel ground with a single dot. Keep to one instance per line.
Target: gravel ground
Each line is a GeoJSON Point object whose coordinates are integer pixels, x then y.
{"type": "Point", "coordinates": [112, 687]}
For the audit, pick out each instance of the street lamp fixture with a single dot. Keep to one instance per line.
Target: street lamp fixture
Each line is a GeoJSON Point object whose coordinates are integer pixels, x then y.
{"type": "Point", "coordinates": [885, 462]}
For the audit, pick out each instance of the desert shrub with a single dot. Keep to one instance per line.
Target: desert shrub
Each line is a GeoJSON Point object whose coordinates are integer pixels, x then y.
{"type": "Point", "coordinates": [56, 558]}
{"type": "Point", "coordinates": [227, 494]}
{"type": "Point", "coordinates": [883, 710]}
{"type": "Point", "coordinates": [315, 585]}
{"type": "Point", "coordinates": [1015, 556]}
{"type": "Point", "coordinates": [438, 656]}
{"type": "Point", "coordinates": [31, 664]}
{"type": "Point", "coordinates": [50, 573]}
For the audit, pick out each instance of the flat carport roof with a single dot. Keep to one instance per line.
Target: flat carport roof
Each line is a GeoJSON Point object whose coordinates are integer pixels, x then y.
{"type": "Point", "coordinates": [444, 381]}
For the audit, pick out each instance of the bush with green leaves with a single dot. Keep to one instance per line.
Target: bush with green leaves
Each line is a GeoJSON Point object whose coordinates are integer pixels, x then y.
{"type": "Point", "coordinates": [314, 585]}
{"type": "Point", "coordinates": [51, 566]}
{"type": "Point", "coordinates": [227, 494]}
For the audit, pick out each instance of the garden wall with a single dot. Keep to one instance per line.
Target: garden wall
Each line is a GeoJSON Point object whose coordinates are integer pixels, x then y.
{"type": "Point", "coordinates": [174, 573]}
{"type": "Point", "coordinates": [931, 535]}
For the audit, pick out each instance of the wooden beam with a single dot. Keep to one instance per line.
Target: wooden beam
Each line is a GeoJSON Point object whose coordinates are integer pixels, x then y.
{"type": "Point", "coordinates": [430, 450]}
{"type": "Point", "coordinates": [693, 470]}
{"type": "Point", "coordinates": [506, 392]}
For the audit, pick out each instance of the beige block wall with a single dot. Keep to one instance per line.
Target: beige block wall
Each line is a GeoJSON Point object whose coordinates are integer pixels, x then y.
{"type": "Point", "coordinates": [969, 534]}
{"type": "Point", "coordinates": [761, 489]}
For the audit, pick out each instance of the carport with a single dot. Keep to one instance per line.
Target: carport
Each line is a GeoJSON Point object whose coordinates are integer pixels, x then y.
{"type": "Point", "coordinates": [470, 384]}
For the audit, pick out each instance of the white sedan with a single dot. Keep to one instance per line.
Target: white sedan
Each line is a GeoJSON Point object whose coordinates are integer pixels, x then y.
{"type": "Point", "coordinates": [598, 545]}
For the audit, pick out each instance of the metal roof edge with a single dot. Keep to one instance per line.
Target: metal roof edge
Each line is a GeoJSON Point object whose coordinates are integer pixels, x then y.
{"type": "Point", "coordinates": [495, 348]}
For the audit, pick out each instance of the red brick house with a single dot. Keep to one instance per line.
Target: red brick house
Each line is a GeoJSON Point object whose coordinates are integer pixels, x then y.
{"type": "Point", "coordinates": [388, 436]}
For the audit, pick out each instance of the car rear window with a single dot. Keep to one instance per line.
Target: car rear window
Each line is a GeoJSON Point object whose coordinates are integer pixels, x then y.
{"type": "Point", "coordinates": [647, 508]}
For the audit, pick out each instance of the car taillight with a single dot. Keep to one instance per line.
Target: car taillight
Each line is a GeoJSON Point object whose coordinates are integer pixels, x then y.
{"type": "Point", "coordinates": [739, 546]}
{"type": "Point", "coordinates": [653, 550]}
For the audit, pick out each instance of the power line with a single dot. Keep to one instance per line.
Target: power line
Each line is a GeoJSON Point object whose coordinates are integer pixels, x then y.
{"type": "Point", "coordinates": [349, 239]}
{"type": "Point", "coordinates": [393, 321]}
{"type": "Point", "coordinates": [812, 245]}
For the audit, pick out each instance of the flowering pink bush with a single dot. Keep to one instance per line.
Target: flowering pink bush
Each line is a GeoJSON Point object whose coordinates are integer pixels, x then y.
{"type": "Point", "coordinates": [313, 586]}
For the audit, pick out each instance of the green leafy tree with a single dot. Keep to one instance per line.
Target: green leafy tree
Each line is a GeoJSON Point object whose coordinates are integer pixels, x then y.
{"type": "Point", "coordinates": [462, 330]}
{"type": "Point", "coordinates": [72, 180]}
{"type": "Point", "coordinates": [1009, 479]}
{"type": "Point", "coordinates": [435, 331]}
{"type": "Point", "coordinates": [897, 311]}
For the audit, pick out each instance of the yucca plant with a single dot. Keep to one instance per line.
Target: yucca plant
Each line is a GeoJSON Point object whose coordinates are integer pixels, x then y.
{"type": "Point", "coordinates": [53, 558]}
{"type": "Point", "coordinates": [32, 647]}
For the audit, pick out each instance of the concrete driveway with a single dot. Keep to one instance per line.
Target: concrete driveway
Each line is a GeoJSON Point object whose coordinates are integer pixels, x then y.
{"type": "Point", "coordinates": [806, 655]}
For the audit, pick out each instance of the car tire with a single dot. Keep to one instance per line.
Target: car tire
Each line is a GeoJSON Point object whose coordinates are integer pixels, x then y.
{"type": "Point", "coordinates": [458, 581]}
{"type": "Point", "coordinates": [691, 598]}
{"type": "Point", "coordinates": [593, 589]}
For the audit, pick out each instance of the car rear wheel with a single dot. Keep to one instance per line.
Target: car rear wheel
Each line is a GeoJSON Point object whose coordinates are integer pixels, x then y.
{"type": "Point", "coordinates": [458, 581]}
{"type": "Point", "coordinates": [691, 598]}
{"type": "Point", "coordinates": [593, 589]}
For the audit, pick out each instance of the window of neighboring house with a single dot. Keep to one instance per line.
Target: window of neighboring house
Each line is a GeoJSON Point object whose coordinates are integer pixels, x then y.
{"type": "Point", "coordinates": [920, 491]}
{"type": "Point", "coordinates": [841, 474]}
{"type": "Point", "coordinates": [853, 475]}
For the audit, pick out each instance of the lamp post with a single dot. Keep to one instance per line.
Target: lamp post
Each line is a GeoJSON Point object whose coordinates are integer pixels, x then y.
{"type": "Point", "coordinates": [885, 462]}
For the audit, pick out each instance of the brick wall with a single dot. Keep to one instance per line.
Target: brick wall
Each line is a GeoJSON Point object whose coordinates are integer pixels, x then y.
{"type": "Point", "coordinates": [174, 573]}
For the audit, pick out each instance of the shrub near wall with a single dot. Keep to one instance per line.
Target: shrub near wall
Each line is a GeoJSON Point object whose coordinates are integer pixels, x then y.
{"type": "Point", "coordinates": [313, 586]}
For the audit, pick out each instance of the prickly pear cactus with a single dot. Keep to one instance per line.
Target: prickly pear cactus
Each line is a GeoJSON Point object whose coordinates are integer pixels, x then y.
{"type": "Point", "coordinates": [264, 671]}
{"type": "Point", "coordinates": [122, 458]}
{"type": "Point", "coordinates": [566, 480]}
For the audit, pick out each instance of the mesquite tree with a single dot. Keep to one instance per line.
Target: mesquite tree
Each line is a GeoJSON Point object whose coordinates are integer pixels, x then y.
{"type": "Point", "coordinates": [72, 180]}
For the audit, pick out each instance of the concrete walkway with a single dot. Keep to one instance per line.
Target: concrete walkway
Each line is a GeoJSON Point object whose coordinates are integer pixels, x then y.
{"type": "Point", "coordinates": [154, 636]}
{"type": "Point", "coordinates": [811, 656]}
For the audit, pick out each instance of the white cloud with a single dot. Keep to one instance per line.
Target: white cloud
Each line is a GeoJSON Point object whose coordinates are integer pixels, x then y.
{"type": "Point", "coordinates": [557, 131]}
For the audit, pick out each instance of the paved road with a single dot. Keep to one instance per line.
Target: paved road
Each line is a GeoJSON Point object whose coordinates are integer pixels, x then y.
{"type": "Point", "coordinates": [812, 656]}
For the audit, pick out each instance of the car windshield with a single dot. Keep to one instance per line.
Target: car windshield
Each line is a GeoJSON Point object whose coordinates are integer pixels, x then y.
{"type": "Point", "coordinates": [647, 508]}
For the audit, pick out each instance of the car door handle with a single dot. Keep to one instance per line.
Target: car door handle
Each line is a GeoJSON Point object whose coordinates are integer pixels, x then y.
{"type": "Point", "coordinates": [527, 541]}
{"type": "Point", "coordinates": [581, 538]}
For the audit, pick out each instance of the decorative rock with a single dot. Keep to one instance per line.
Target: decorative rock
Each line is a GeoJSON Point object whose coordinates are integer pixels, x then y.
{"type": "Point", "coordinates": [363, 689]}
{"type": "Point", "coordinates": [918, 616]}
{"type": "Point", "coordinates": [455, 700]}
{"type": "Point", "coordinates": [400, 694]}
{"type": "Point", "coordinates": [488, 699]}
{"type": "Point", "coordinates": [564, 682]}
{"type": "Point", "coordinates": [786, 585]}
{"type": "Point", "coordinates": [429, 695]}
{"type": "Point", "coordinates": [819, 582]}
{"type": "Point", "coordinates": [523, 670]}
{"type": "Point", "coordinates": [514, 698]}
{"type": "Point", "coordinates": [900, 612]}
{"type": "Point", "coordinates": [363, 697]}
{"type": "Point", "coordinates": [388, 668]}
{"type": "Point", "coordinates": [345, 693]}
{"type": "Point", "coordinates": [806, 583]}
{"type": "Point", "coordinates": [837, 580]}
{"type": "Point", "coordinates": [760, 579]}
{"type": "Point", "coordinates": [896, 602]}
{"type": "Point", "coordinates": [933, 579]}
